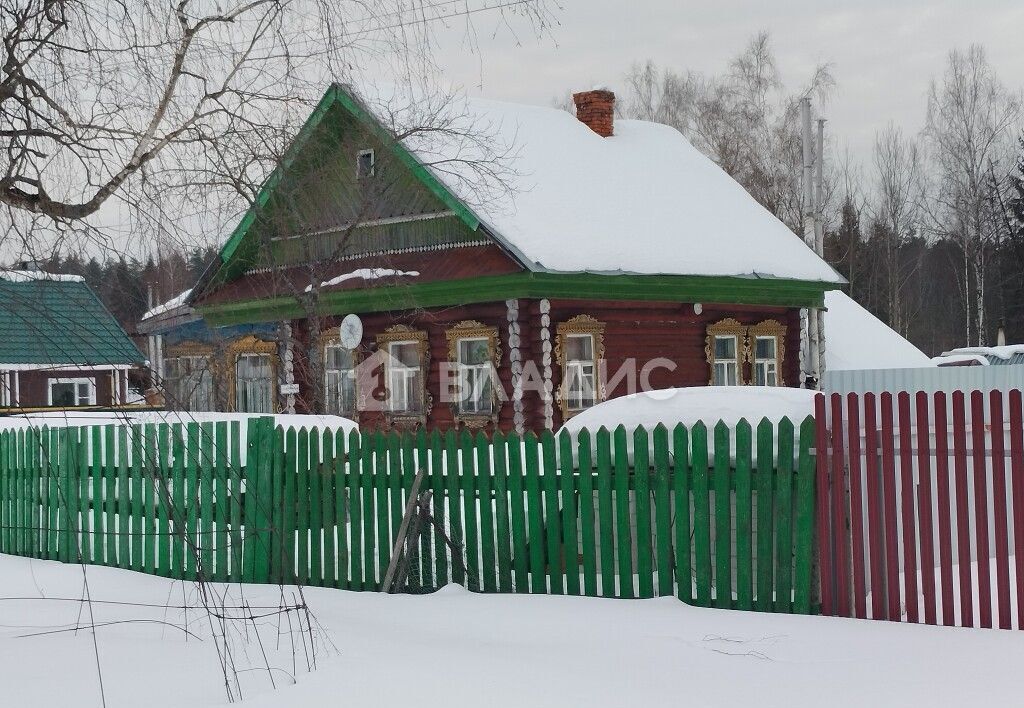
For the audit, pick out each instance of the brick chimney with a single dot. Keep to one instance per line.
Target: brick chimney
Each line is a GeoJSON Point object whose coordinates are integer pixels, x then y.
{"type": "Point", "coordinates": [596, 109]}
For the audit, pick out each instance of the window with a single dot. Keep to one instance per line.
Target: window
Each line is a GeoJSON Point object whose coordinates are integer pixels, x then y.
{"type": "Point", "coordinates": [767, 338]}
{"type": "Point", "coordinates": [579, 349]}
{"type": "Point", "coordinates": [339, 380]}
{"type": "Point", "coordinates": [68, 393]}
{"type": "Point", "coordinates": [766, 369]}
{"type": "Point", "coordinates": [189, 383]}
{"type": "Point", "coordinates": [254, 384]}
{"type": "Point", "coordinates": [476, 395]}
{"type": "Point", "coordinates": [404, 377]}
{"type": "Point", "coordinates": [727, 363]}
{"type": "Point", "coordinates": [365, 164]}
{"type": "Point", "coordinates": [580, 371]}
{"type": "Point", "coordinates": [726, 349]}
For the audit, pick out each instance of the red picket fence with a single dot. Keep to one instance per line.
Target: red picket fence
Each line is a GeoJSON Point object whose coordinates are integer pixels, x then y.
{"type": "Point", "coordinates": [920, 507]}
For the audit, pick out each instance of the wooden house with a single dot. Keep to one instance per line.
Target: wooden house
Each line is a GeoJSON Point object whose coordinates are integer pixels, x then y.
{"type": "Point", "coordinates": [59, 346]}
{"type": "Point", "coordinates": [497, 266]}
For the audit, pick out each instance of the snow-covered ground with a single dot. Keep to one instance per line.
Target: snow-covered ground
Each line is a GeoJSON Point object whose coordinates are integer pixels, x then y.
{"type": "Point", "coordinates": [455, 648]}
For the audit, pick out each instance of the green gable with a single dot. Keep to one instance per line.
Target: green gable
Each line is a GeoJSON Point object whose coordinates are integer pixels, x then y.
{"type": "Point", "coordinates": [58, 322]}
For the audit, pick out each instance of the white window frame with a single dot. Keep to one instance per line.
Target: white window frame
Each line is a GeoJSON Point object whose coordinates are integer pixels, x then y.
{"type": "Point", "coordinates": [467, 405]}
{"type": "Point", "coordinates": [395, 369]}
{"type": "Point", "coordinates": [766, 363]}
{"type": "Point", "coordinates": [373, 162]}
{"type": "Point", "coordinates": [734, 364]}
{"type": "Point", "coordinates": [574, 403]}
{"type": "Point", "coordinates": [341, 374]}
{"type": "Point", "coordinates": [76, 381]}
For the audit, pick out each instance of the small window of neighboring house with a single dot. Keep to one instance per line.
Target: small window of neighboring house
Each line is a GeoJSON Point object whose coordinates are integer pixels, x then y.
{"type": "Point", "coordinates": [366, 164]}
{"type": "Point", "coordinates": [405, 377]}
{"type": "Point", "coordinates": [254, 384]}
{"type": "Point", "coordinates": [189, 383]}
{"type": "Point", "coordinates": [72, 392]}
{"type": "Point", "coordinates": [340, 380]}
{"type": "Point", "coordinates": [474, 370]}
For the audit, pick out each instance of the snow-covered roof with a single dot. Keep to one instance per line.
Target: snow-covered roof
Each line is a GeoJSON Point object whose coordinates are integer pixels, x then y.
{"type": "Point", "coordinates": [856, 339]}
{"type": "Point", "coordinates": [26, 276]}
{"type": "Point", "coordinates": [163, 307]}
{"type": "Point", "coordinates": [960, 360]}
{"type": "Point", "coordinates": [1005, 354]}
{"type": "Point", "coordinates": [642, 201]}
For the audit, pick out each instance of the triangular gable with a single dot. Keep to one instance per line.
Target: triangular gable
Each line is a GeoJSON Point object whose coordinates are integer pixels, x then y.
{"type": "Point", "coordinates": [337, 97]}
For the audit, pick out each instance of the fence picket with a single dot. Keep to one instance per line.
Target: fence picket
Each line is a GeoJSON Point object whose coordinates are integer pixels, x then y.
{"type": "Point", "coordinates": [485, 477]}
{"type": "Point", "coordinates": [552, 527]}
{"type": "Point", "coordinates": [623, 537]}
{"type": "Point", "coordinates": [470, 514]}
{"type": "Point", "coordinates": [517, 504]}
{"type": "Point", "coordinates": [369, 513]}
{"type": "Point", "coordinates": [803, 561]}
{"type": "Point", "coordinates": [924, 507]}
{"type": "Point", "coordinates": [220, 502]}
{"type": "Point", "coordinates": [744, 522]}
{"type": "Point", "coordinates": [783, 515]}
{"type": "Point", "coordinates": [701, 514]}
{"type": "Point", "coordinates": [642, 494]}
{"type": "Point", "coordinates": [963, 535]}
{"type": "Point", "coordinates": [355, 508]}
{"type": "Point", "coordinates": [204, 530]}
{"type": "Point", "coordinates": [1017, 496]}
{"type": "Point", "coordinates": [681, 506]}
{"type": "Point", "coordinates": [662, 511]}
{"type": "Point", "coordinates": [54, 497]}
{"type": "Point", "coordinates": [723, 520]}
{"type": "Point", "coordinates": [535, 514]}
{"type": "Point", "coordinates": [943, 508]}
{"type": "Point", "coordinates": [163, 537]}
{"type": "Point", "coordinates": [764, 480]}
{"type": "Point", "coordinates": [327, 512]}
{"type": "Point", "coordinates": [892, 567]}
{"type": "Point", "coordinates": [437, 507]}
{"type": "Point", "coordinates": [876, 529]}
{"type": "Point", "coordinates": [911, 594]}
{"type": "Point", "coordinates": [1000, 523]}
{"type": "Point", "coordinates": [570, 536]}
{"type": "Point", "coordinates": [502, 528]}
{"type": "Point", "coordinates": [605, 512]}
{"type": "Point", "coordinates": [316, 510]}
{"type": "Point", "coordinates": [588, 548]}
{"type": "Point", "coordinates": [857, 560]}
{"type": "Point", "coordinates": [454, 499]}
{"type": "Point", "coordinates": [981, 508]}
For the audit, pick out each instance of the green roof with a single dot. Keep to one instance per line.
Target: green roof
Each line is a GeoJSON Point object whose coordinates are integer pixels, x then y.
{"type": "Point", "coordinates": [59, 321]}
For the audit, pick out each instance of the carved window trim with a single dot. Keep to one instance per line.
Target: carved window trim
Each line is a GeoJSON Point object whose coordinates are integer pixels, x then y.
{"type": "Point", "coordinates": [580, 324]}
{"type": "Point", "coordinates": [404, 333]}
{"type": "Point", "coordinates": [250, 344]}
{"type": "Point", "coordinates": [330, 338]}
{"type": "Point", "coordinates": [471, 329]}
{"type": "Point", "coordinates": [768, 328]}
{"type": "Point", "coordinates": [728, 327]}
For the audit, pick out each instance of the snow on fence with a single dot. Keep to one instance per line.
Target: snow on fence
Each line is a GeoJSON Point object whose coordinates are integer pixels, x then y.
{"type": "Point", "coordinates": [683, 517]}
{"type": "Point", "coordinates": [922, 498]}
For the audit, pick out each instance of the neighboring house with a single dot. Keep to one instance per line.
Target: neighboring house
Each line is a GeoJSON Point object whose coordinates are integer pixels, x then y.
{"type": "Point", "coordinates": [1001, 355]}
{"type": "Point", "coordinates": [59, 346]}
{"type": "Point", "coordinates": [857, 340]}
{"type": "Point", "coordinates": [605, 245]}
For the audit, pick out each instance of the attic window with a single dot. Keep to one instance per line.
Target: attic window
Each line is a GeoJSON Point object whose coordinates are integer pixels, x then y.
{"type": "Point", "coordinates": [365, 163]}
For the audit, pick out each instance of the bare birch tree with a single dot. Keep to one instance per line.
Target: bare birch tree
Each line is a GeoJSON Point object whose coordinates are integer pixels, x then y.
{"type": "Point", "coordinates": [172, 109]}
{"type": "Point", "coordinates": [972, 120]}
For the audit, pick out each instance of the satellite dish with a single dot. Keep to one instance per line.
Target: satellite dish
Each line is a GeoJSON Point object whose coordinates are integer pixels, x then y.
{"type": "Point", "coordinates": [351, 331]}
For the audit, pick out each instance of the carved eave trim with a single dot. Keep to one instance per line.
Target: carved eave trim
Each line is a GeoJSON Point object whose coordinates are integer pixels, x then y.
{"type": "Point", "coordinates": [190, 348]}
{"type": "Point", "coordinates": [727, 327]}
{"type": "Point", "coordinates": [580, 324]}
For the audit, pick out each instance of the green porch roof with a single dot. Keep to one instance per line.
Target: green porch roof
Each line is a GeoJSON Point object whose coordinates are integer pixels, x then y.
{"type": "Point", "coordinates": [59, 322]}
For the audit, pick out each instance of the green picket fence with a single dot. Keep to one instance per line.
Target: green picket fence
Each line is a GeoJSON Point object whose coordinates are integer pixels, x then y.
{"type": "Point", "coordinates": [721, 518]}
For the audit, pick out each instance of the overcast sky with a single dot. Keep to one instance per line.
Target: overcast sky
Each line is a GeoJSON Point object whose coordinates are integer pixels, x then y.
{"type": "Point", "coordinates": [883, 53]}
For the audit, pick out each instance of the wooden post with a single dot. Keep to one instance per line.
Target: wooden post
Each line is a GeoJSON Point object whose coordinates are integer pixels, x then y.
{"type": "Point", "coordinates": [396, 550]}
